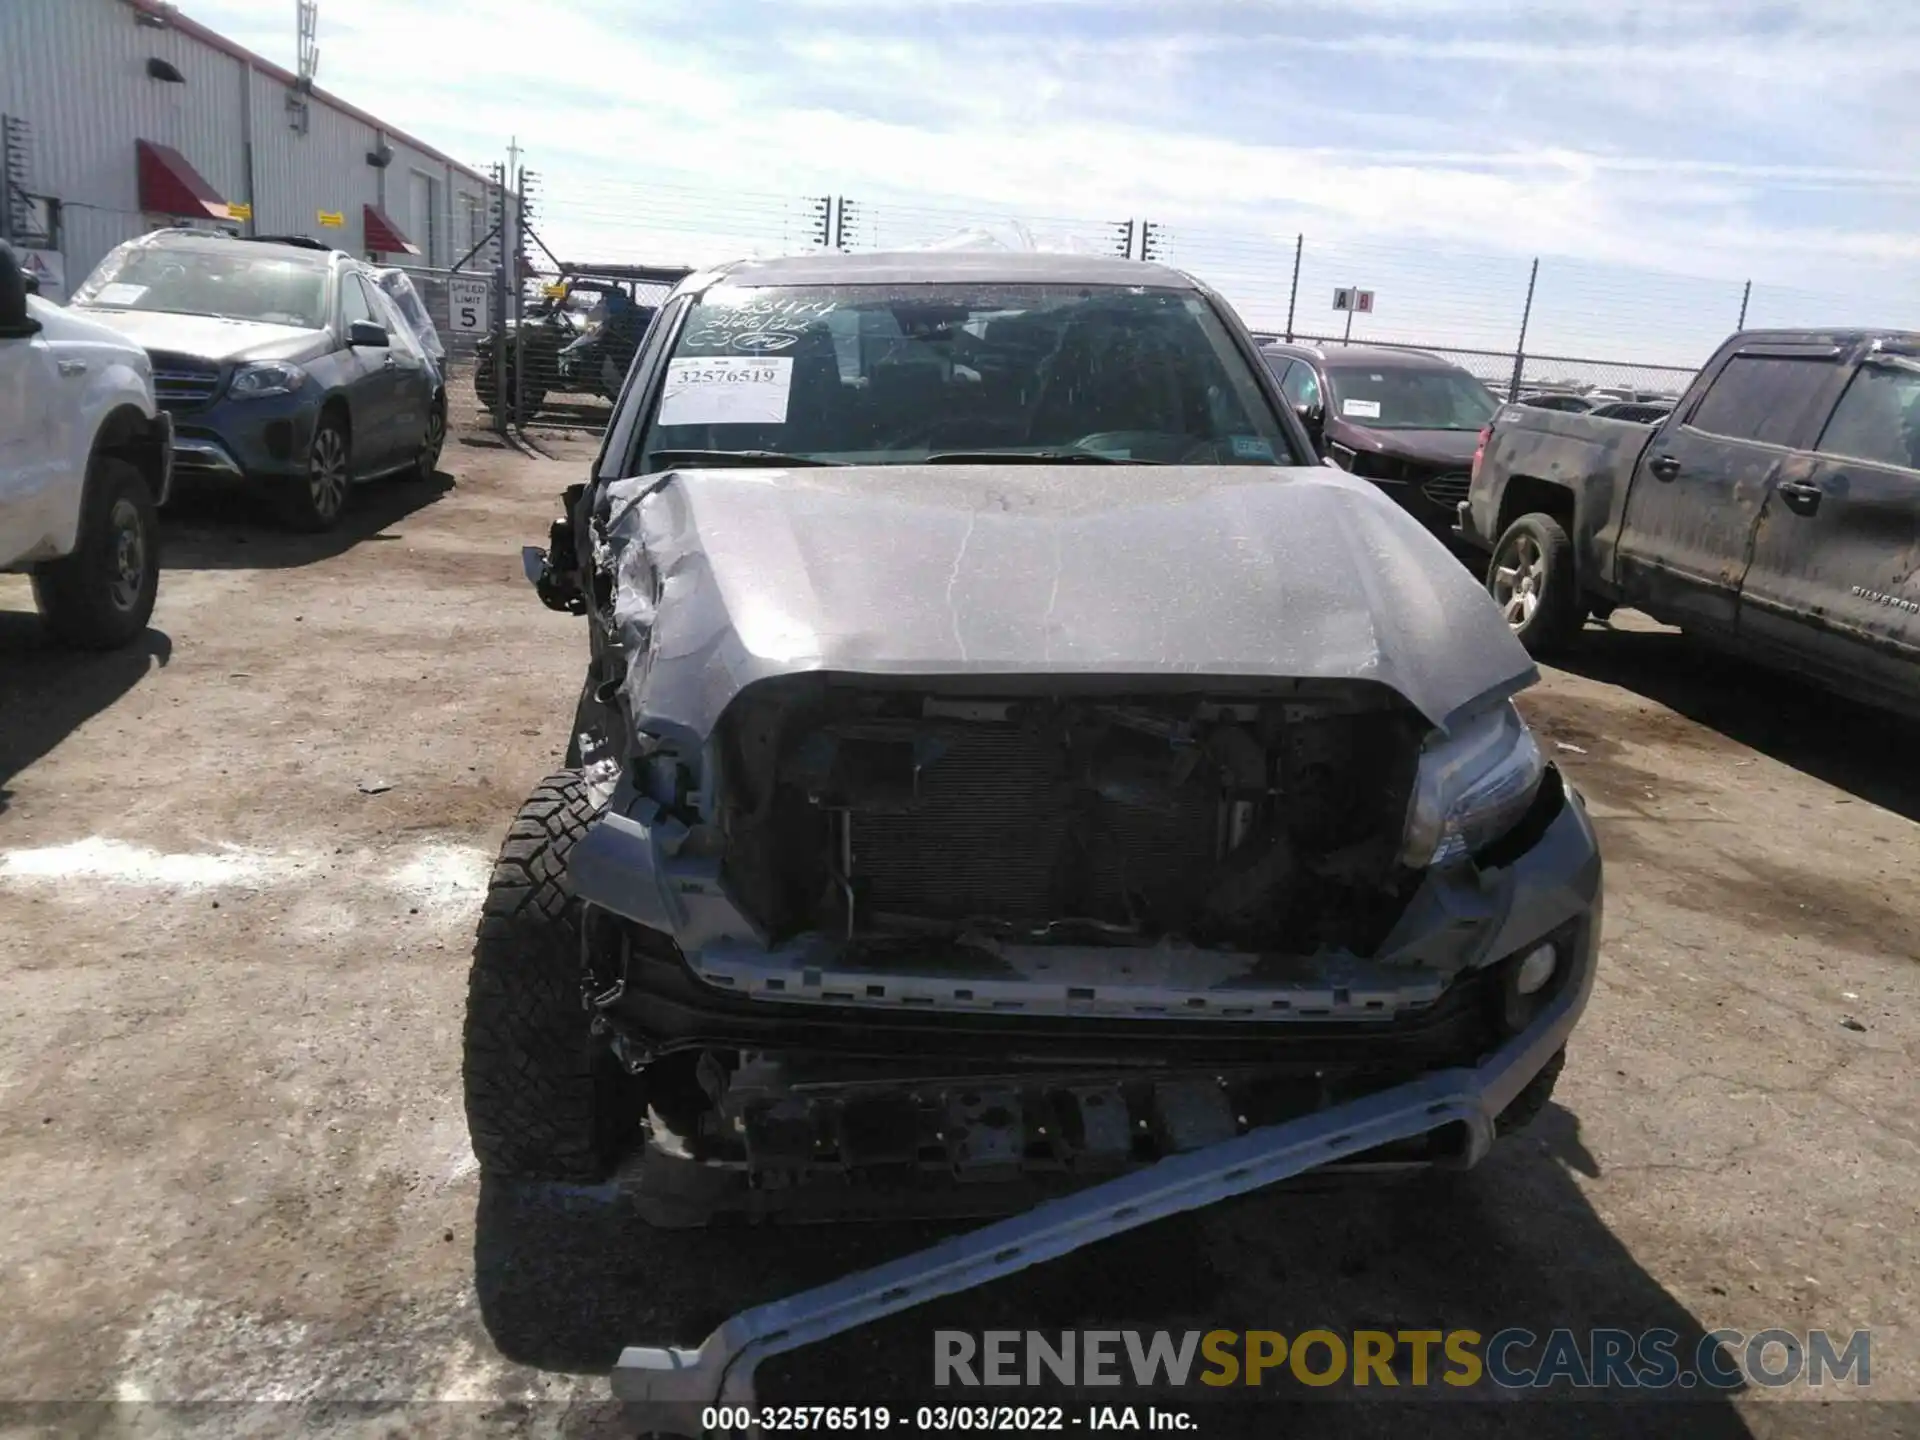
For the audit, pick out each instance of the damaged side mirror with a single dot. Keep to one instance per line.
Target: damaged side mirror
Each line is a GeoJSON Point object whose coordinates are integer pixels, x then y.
{"type": "Point", "coordinates": [554, 572]}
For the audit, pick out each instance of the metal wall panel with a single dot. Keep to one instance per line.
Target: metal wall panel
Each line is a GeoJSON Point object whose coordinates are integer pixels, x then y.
{"type": "Point", "coordinates": [298, 176]}
{"type": "Point", "coordinates": [75, 70]}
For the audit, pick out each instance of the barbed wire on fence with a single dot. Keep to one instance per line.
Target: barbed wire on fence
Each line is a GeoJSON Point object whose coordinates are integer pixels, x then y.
{"type": "Point", "coordinates": [1504, 317]}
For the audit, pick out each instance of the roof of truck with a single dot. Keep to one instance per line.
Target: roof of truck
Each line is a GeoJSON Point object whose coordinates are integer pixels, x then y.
{"type": "Point", "coordinates": [922, 267]}
{"type": "Point", "coordinates": [1840, 337]}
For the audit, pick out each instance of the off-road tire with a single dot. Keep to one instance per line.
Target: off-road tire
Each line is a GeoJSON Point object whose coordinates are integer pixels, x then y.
{"type": "Point", "coordinates": [1528, 1104]}
{"type": "Point", "coordinates": [546, 1100]}
{"type": "Point", "coordinates": [101, 596]}
{"type": "Point", "coordinates": [1559, 609]}
{"type": "Point", "coordinates": [315, 501]}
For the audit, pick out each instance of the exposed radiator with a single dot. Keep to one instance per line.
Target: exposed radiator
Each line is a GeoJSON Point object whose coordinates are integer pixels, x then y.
{"type": "Point", "coordinates": [1002, 829]}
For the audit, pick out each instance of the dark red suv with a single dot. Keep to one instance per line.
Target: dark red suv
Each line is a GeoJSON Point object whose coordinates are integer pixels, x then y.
{"type": "Point", "coordinates": [1404, 419]}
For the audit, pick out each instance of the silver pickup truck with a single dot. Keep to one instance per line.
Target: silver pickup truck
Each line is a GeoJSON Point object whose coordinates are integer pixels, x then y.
{"type": "Point", "coordinates": [1776, 511]}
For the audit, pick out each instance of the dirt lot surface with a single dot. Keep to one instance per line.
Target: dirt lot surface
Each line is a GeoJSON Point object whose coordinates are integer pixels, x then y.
{"type": "Point", "coordinates": [238, 880]}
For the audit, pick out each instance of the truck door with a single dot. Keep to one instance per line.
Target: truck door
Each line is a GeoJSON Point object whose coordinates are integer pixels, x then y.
{"type": "Point", "coordinates": [36, 477]}
{"type": "Point", "coordinates": [1697, 494]}
{"type": "Point", "coordinates": [1835, 577]}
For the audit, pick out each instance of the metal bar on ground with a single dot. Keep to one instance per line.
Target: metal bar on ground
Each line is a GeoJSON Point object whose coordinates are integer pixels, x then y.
{"type": "Point", "coordinates": [675, 1384]}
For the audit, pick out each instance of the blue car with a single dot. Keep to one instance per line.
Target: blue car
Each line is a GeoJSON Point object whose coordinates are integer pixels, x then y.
{"type": "Point", "coordinates": [284, 365]}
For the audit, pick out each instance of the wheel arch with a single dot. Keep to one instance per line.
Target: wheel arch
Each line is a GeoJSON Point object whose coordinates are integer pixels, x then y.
{"type": "Point", "coordinates": [336, 403]}
{"type": "Point", "coordinates": [1528, 495]}
{"type": "Point", "coordinates": [129, 434]}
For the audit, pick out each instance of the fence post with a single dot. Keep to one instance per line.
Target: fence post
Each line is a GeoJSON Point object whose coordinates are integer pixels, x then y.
{"type": "Point", "coordinates": [1520, 350]}
{"type": "Point", "coordinates": [518, 293]}
{"type": "Point", "coordinates": [500, 356]}
{"type": "Point", "coordinates": [1293, 294]}
{"type": "Point", "coordinates": [1745, 295]}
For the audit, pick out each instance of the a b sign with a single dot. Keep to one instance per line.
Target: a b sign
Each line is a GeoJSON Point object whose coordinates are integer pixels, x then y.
{"type": "Point", "coordinates": [1356, 300]}
{"type": "Point", "coordinates": [469, 306]}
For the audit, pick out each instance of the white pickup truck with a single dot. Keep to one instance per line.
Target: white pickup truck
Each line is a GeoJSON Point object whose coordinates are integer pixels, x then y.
{"type": "Point", "coordinates": [86, 458]}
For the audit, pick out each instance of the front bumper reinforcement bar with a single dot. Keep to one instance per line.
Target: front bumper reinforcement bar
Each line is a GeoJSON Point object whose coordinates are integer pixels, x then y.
{"type": "Point", "coordinates": [674, 1385]}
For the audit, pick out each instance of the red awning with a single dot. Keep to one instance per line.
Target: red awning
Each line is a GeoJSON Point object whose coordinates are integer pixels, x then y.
{"type": "Point", "coordinates": [385, 236]}
{"type": "Point", "coordinates": [170, 186]}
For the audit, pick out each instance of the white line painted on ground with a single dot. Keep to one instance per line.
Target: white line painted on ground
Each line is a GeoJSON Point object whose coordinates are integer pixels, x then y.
{"type": "Point", "coordinates": [434, 874]}
{"type": "Point", "coordinates": [114, 862]}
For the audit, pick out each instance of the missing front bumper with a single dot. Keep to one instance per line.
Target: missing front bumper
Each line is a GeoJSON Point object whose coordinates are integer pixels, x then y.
{"type": "Point", "coordinates": [1552, 881]}
{"type": "Point", "coordinates": [673, 1385]}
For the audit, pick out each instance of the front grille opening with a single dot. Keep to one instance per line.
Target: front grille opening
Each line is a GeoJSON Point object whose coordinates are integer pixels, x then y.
{"type": "Point", "coordinates": [890, 818]}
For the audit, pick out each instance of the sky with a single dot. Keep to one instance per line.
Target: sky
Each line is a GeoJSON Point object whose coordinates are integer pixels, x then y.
{"type": "Point", "coordinates": [1654, 157]}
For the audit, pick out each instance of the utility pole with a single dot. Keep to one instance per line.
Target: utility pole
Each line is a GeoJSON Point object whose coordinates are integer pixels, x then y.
{"type": "Point", "coordinates": [1520, 350]}
{"type": "Point", "coordinates": [519, 296]}
{"type": "Point", "coordinates": [1745, 295]}
{"type": "Point", "coordinates": [498, 192]}
{"type": "Point", "coordinates": [1293, 295]}
{"type": "Point", "coordinates": [1353, 299]}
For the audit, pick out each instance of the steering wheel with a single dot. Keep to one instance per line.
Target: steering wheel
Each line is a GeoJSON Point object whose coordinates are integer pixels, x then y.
{"type": "Point", "coordinates": [1139, 443]}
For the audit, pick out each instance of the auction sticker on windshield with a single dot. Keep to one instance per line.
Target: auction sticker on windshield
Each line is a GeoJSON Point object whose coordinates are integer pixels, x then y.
{"type": "Point", "coordinates": [727, 390]}
{"type": "Point", "coordinates": [1361, 409]}
{"type": "Point", "coordinates": [119, 294]}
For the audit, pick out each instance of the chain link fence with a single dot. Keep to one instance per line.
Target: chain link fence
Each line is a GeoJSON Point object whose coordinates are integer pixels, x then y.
{"type": "Point", "coordinates": [1520, 325]}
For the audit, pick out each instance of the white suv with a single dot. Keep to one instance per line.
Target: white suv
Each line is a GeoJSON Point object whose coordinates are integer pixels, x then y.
{"type": "Point", "coordinates": [86, 458]}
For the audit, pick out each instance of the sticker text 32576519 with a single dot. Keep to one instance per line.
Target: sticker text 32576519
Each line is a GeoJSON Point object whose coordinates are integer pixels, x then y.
{"type": "Point", "coordinates": [727, 390]}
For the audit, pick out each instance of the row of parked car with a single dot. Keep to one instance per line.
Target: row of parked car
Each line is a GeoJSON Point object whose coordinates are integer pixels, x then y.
{"type": "Point", "coordinates": [276, 364]}
{"type": "Point", "coordinates": [1772, 509]}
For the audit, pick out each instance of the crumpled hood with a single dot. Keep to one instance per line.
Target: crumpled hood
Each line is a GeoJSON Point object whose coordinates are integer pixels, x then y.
{"type": "Point", "coordinates": [209, 337]}
{"type": "Point", "coordinates": [1024, 570]}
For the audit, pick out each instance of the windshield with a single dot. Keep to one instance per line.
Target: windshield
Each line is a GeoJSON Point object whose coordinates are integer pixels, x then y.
{"type": "Point", "coordinates": [1393, 398]}
{"type": "Point", "coordinates": [898, 374]}
{"type": "Point", "coordinates": [208, 280]}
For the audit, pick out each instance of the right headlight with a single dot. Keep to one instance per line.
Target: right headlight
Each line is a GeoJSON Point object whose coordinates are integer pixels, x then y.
{"type": "Point", "coordinates": [266, 377]}
{"type": "Point", "coordinates": [1472, 787]}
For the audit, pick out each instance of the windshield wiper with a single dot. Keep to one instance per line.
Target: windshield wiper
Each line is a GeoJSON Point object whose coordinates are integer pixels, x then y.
{"type": "Point", "coordinates": [733, 457]}
{"type": "Point", "coordinates": [1028, 457]}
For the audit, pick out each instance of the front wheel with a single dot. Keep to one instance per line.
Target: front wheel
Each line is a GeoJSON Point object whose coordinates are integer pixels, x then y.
{"type": "Point", "coordinates": [432, 443]}
{"type": "Point", "coordinates": [1532, 580]}
{"type": "Point", "coordinates": [101, 596]}
{"type": "Point", "coordinates": [546, 1100]}
{"type": "Point", "coordinates": [316, 501]}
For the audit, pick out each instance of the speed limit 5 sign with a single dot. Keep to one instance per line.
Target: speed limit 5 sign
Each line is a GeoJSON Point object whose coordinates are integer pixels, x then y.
{"type": "Point", "coordinates": [469, 303]}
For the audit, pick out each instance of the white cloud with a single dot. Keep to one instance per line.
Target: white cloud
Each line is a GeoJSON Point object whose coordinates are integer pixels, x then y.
{"type": "Point", "coordinates": [1698, 136]}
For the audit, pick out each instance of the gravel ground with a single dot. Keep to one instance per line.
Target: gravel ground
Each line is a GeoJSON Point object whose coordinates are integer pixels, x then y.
{"type": "Point", "coordinates": [238, 877]}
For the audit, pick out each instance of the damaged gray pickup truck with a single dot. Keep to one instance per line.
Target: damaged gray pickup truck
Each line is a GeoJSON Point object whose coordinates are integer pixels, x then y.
{"type": "Point", "coordinates": [1011, 778]}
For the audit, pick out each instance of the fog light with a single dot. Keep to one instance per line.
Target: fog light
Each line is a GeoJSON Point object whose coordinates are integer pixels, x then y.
{"type": "Point", "coordinates": [1536, 969]}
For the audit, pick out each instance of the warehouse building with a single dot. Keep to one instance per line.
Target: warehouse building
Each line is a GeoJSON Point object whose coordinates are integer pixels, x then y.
{"type": "Point", "coordinates": [118, 116]}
